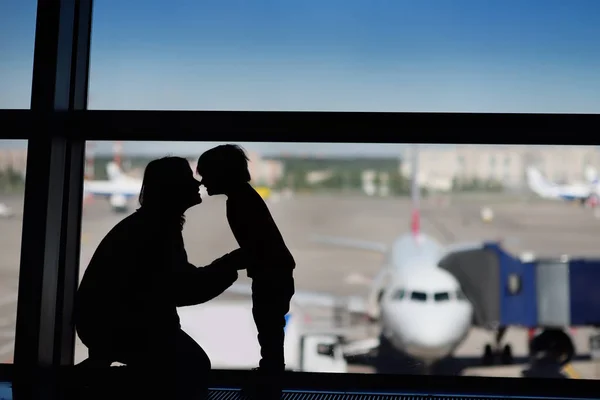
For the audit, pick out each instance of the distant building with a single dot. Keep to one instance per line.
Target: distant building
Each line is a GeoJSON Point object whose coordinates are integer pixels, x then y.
{"type": "Point", "coordinates": [505, 164]}
{"type": "Point", "coordinates": [264, 171]}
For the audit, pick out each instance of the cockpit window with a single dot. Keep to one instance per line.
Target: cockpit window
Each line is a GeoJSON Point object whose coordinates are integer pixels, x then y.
{"type": "Point", "coordinates": [460, 295]}
{"type": "Point", "coordinates": [399, 295]}
{"type": "Point", "coordinates": [419, 296]}
{"type": "Point", "coordinates": [441, 296]}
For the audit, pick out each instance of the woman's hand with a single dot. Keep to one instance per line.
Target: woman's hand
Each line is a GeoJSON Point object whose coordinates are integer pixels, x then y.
{"type": "Point", "coordinates": [238, 258]}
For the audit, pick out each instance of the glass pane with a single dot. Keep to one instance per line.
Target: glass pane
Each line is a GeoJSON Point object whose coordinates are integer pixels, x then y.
{"type": "Point", "coordinates": [347, 55]}
{"type": "Point", "coordinates": [340, 207]}
{"type": "Point", "coordinates": [13, 158]}
{"type": "Point", "coordinates": [17, 36]}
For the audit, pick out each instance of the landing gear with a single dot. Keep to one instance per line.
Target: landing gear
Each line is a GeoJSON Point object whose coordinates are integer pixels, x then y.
{"type": "Point", "coordinates": [488, 355]}
{"type": "Point", "coordinates": [506, 357]}
{"type": "Point", "coordinates": [505, 353]}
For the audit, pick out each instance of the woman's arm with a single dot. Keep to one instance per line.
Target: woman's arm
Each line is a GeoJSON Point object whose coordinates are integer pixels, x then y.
{"type": "Point", "coordinates": [197, 285]}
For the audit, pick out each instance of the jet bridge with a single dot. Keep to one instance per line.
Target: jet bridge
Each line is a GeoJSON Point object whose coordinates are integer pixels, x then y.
{"type": "Point", "coordinates": [497, 284]}
{"type": "Point", "coordinates": [505, 291]}
{"type": "Point", "coordinates": [551, 294]}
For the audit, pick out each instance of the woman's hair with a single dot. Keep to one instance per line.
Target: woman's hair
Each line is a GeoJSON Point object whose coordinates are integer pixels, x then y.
{"type": "Point", "coordinates": [163, 177]}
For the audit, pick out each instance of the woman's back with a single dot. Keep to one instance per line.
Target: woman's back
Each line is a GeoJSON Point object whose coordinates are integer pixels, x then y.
{"type": "Point", "coordinates": [128, 282]}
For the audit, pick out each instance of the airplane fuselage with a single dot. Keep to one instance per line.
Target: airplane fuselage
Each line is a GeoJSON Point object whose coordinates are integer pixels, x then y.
{"type": "Point", "coordinates": [421, 308]}
{"type": "Point", "coordinates": [119, 189]}
{"type": "Point", "coordinates": [425, 329]}
{"type": "Point", "coordinates": [569, 192]}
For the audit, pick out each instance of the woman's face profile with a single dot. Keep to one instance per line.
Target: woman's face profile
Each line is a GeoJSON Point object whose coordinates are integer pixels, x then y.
{"type": "Point", "coordinates": [172, 185]}
{"type": "Point", "coordinates": [189, 188]}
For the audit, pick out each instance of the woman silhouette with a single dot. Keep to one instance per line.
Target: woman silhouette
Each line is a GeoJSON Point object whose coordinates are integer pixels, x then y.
{"type": "Point", "coordinates": [125, 308]}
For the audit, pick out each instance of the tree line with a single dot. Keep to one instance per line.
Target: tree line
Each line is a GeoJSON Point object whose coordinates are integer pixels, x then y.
{"type": "Point", "coordinates": [11, 181]}
{"type": "Point", "coordinates": [344, 175]}
{"type": "Point", "coordinates": [350, 179]}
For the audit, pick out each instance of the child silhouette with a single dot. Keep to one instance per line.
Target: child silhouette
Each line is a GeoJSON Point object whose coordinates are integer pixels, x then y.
{"type": "Point", "coordinates": [224, 170]}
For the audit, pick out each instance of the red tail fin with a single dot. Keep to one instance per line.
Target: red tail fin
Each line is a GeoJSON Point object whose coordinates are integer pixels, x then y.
{"type": "Point", "coordinates": [415, 225]}
{"type": "Point", "coordinates": [414, 189]}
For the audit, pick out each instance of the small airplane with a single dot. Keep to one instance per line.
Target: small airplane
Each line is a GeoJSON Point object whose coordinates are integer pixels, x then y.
{"type": "Point", "coordinates": [582, 192]}
{"type": "Point", "coordinates": [119, 189]}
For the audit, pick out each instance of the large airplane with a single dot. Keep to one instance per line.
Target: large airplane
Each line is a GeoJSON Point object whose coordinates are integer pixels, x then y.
{"type": "Point", "coordinates": [420, 307]}
{"type": "Point", "coordinates": [119, 189]}
{"type": "Point", "coordinates": [582, 192]}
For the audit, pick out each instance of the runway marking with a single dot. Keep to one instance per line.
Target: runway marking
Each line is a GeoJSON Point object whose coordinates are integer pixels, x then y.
{"type": "Point", "coordinates": [8, 299]}
{"type": "Point", "coordinates": [357, 279]}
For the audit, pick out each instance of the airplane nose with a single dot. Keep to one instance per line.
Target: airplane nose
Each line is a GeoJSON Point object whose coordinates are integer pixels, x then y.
{"type": "Point", "coordinates": [432, 338]}
{"type": "Point", "coordinates": [431, 333]}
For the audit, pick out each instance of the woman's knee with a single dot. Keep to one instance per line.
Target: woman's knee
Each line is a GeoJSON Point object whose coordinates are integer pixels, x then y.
{"type": "Point", "coordinates": [198, 361]}
{"type": "Point", "coordinates": [192, 355]}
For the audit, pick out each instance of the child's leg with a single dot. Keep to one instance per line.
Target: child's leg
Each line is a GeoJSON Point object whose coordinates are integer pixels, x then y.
{"type": "Point", "coordinates": [270, 303]}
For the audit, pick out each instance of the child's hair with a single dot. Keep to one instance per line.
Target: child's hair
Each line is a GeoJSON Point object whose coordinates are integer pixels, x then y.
{"type": "Point", "coordinates": [230, 160]}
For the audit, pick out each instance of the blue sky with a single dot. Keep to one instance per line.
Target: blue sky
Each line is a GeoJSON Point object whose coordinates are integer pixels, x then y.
{"type": "Point", "coordinates": [337, 55]}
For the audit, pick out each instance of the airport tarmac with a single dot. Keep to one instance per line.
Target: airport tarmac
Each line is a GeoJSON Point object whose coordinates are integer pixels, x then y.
{"type": "Point", "coordinates": [544, 228]}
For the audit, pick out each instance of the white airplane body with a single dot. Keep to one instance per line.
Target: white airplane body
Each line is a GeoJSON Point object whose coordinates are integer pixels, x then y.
{"type": "Point", "coordinates": [420, 307]}
{"type": "Point", "coordinates": [119, 189]}
{"type": "Point", "coordinates": [444, 316]}
{"type": "Point", "coordinates": [423, 311]}
{"type": "Point", "coordinates": [549, 190]}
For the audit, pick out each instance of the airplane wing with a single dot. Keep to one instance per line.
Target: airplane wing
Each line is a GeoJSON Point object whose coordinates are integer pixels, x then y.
{"type": "Point", "coordinates": [358, 348]}
{"type": "Point", "coordinates": [460, 247]}
{"type": "Point", "coordinates": [302, 298]}
{"type": "Point", "coordinates": [351, 243]}
{"type": "Point", "coordinates": [109, 188]}
{"type": "Point", "coordinates": [353, 304]}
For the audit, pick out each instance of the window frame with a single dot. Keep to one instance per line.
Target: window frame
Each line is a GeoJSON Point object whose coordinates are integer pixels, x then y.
{"type": "Point", "coordinates": [309, 127]}
{"type": "Point", "coordinates": [48, 274]}
{"type": "Point", "coordinates": [58, 124]}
